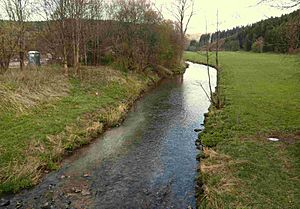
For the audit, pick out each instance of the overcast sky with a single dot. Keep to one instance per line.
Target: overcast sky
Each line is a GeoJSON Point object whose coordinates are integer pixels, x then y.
{"type": "Point", "coordinates": [231, 13]}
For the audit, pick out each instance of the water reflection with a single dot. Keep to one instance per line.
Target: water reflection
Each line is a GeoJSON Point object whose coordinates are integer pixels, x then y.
{"type": "Point", "coordinates": [149, 161]}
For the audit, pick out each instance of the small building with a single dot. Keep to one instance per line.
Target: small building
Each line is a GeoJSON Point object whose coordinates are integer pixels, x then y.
{"type": "Point", "coordinates": [34, 58]}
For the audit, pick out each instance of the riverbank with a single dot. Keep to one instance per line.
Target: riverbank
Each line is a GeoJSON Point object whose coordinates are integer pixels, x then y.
{"type": "Point", "coordinates": [149, 161]}
{"type": "Point", "coordinates": [45, 116]}
{"type": "Point", "coordinates": [241, 167]}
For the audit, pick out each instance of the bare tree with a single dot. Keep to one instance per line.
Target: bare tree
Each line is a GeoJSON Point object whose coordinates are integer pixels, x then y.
{"type": "Point", "coordinates": [76, 26]}
{"type": "Point", "coordinates": [92, 30]}
{"type": "Point", "coordinates": [208, 69]}
{"type": "Point", "coordinates": [218, 100]}
{"type": "Point", "coordinates": [8, 43]}
{"type": "Point", "coordinates": [18, 11]}
{"type": "Point", "coordinates": [217, 43]}
{"type": "Point", "coordinates": [183, 11]}
{"type": "Point", "coordinates": [215, 98]}
{"type": "Point", "coordinates": [292, 34]}
{"type": "Point", "coordinates": [285, 4]}
{"type": "Point", "coordinates": [56, 15]}
{"type": "Point", "coordinates": [77, 10]}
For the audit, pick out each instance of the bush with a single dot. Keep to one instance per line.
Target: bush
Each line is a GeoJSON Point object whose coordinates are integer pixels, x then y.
{"type": "Point", "coordinates": [258, 45]}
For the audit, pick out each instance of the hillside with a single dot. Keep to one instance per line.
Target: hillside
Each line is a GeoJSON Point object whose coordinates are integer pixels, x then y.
{"type": "Point", "coordinates": [276, 34]}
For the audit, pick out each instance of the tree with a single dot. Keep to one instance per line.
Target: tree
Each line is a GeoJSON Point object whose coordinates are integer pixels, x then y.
{"type": "Point", "coordinates": [136, 34]}
{"type": "Point", "coordinates": [292, 29]}
{"type": "Point", "coordinates": [286, 4]}
{"type": "Point", "coordinates": [75, 30]}
{"type": "Point", "coordinates": [93, 32]}
{"type": "Point", "coordinates": [293, 34]}
{"type": "Point", "coordinates": [208, 69]}
{"type": "Point", "coordinates": [217, 42]}
{"type": "Point", "coordinates": [217, 102]}
{"type": "Point", "coordinates": [18, 11]}
{"type": "Point", "coordinates": [258, 45]}
{"type": "Point", "coordinates": [193, 46]}
{"type": "Point", "coordinates": [183, 11]}
{"type": "Point", "coordinates": [8, 43]}
{"type": "Point", "coordinates": [76, 9]}
{"type": "Point", "coordinates": [56, 16]}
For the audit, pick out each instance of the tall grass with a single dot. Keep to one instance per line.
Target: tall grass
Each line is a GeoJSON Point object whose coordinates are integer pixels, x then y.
{"type": "Point", "coordinates": [22, 90]}
{"type": "Point", "coordinates": [45, 115]}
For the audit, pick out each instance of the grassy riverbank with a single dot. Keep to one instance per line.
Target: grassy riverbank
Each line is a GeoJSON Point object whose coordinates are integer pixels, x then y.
{"type": "Point", "coordinates": [45, 115]}
{"type": "Point", "coordinates": [242, 169]}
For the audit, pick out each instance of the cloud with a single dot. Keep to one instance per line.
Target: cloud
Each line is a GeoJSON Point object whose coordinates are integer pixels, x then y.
{"type": "Point", "coordinates": [232, 13]}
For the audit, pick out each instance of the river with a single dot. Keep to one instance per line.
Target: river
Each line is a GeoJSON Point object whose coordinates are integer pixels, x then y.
{"type": "Point", "coordinates": [147, 162]}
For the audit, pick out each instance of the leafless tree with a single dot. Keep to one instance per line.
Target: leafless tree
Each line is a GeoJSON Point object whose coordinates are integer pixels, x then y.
{"type": "Point", "coordinates": [292, 33]}
{"type": "Point", "coordinates": [18, 11]}
{"type": "Point", "coordinates": [92, 31]}
{"type": "Point", "coordinates": [183, 11]}
{"type": "Point", "coordinates": [217, 42]}
{"type": "Point", "coordinates": [285, 4]}
{"type": "Point", "coordinates": [56, 15]}
{"type": "Point", "coordinates": [136, 21]}
{"type": "Point", "coordinates": [208, 68]}
{"type": "Point", "coordinates": [8, 43]}
{"type": "Point", "coordinates": [218, 100]}
{"type": "Point", "coordinates": [215, 98]}
{"type": "Point", "coordinates": [72, 25]}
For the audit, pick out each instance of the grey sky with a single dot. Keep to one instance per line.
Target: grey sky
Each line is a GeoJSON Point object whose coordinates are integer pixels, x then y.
{"type": "Point", "coordinates": [231, 13]}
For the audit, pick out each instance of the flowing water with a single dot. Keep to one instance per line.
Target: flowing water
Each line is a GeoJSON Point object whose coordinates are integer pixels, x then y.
{"type": "Point", "coordinates": [147, 162]}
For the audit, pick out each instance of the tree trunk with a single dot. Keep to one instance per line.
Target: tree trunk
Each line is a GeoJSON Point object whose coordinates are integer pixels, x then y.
{"type": "Point", "coordinates": [217, 45]}
{"type": "Point", "coordinates": [65, 56]}
{"type": "Point", "coordinates": [209, 79]}
{"type": "Point", "coordinates": [21, 55]}
{"type": "Point", "coordinates": [77, 45]}
{"type": "Point", "coordinates": [65, 62]}
{"type": "Point", "coordinates": [95, 52]}
{"type": "Point", "coordinates": [21, 47]}
{"type": "Point", "coordinates": [85, 54]}
{"type": "Point", "coordinates": [74, 51]}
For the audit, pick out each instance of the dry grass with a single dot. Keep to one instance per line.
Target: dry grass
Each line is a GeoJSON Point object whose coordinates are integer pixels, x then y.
{"type": "Point", "coordinates": [92, 76]}
{"type": "Point", "coordinates": [47, 115]}
{"type": "Point", "coordinates": [30, 169]}
{"type": "Point", "coordinates": [217, 168]}
{"type": "Point", "coordinates": [83, 131]}
{"type": "Point", "coordinates": [113, 115]}
{"type": "Point", "coordinates": [75, 135]}
{"type": "Point", "coordinates": [20, 91]}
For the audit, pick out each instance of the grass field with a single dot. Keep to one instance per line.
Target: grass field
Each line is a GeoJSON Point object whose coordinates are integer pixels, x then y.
{"type": "Point", "coordinates": [241, 168]}
{"type": "Point", "coordinates": [44, 115]}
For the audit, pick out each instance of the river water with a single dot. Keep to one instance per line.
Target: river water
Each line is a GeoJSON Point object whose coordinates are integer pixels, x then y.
{"type": "Point", "coordinates": [147, 162]}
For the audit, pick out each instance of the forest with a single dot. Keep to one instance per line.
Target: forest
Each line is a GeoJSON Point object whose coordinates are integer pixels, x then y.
{"type": "Point", "coordinates": [275, 34]}
{"type": "Point", "coordinates": [131, 34]}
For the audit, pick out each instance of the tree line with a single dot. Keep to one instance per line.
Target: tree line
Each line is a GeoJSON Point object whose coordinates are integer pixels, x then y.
{"type": "Point", "coordinates": [275, 34]}
{"type": "Point", "coordinates": [130, 33]}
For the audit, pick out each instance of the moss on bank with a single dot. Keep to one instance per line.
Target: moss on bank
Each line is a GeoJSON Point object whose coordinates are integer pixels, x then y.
{"type": "Point", "coordinates": [241, 168]}
{"type": "Point", "coordinates": [45, 115]}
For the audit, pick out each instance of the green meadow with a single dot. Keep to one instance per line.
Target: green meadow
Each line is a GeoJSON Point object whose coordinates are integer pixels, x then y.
{"type": "Point", "coordinates": [241, 167]}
